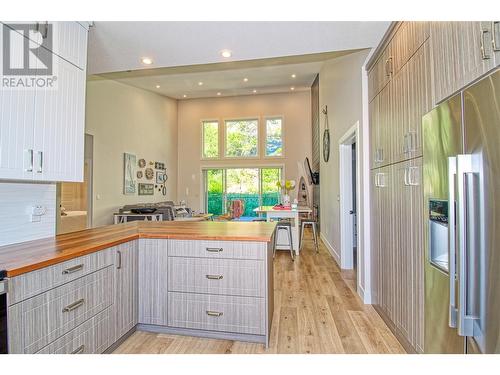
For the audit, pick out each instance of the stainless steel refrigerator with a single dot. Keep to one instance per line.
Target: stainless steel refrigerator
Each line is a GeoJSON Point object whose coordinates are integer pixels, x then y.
{"type": "Point", "coordinates": [461, 174]}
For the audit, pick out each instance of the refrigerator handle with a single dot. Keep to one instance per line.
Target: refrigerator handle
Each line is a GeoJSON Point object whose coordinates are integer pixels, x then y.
{"type": "Point", "coordinates": [466, 207]}
{"type": "Point", "coordinates": [452, 172]}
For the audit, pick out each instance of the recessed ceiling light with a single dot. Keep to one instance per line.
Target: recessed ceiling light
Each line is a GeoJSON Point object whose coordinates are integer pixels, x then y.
{"type": "Point", "coordinates": [293, 76]}
{"type": "Point", "coordinates": [218, 94]}
{"type": "Point", "coordinates": [146, 61]}
{"type": "Point", "coordinates": [254, 91]}
{"type": "Point", "coordinates": [245, 79]}
{"type": "Point", "coordinates": [292, 88]}
{"type": "Point", "coordinates": [226, 53]}
{"type": "Point", "coordinates": [157, 86]}
{"type": "Point", "coordinates": [200, 83]}
{"type": "Point", "coordinates": [184, 96]}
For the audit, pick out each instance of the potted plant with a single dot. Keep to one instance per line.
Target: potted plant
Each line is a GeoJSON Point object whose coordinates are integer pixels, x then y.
{"type": "Point", "coordinates": [286, 186]}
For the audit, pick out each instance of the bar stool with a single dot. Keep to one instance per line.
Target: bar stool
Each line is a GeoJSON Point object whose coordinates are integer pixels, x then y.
{"type": "Point", "coordinates": [284, 225]}
{"type": "Point", "coordinates": [312, 223]}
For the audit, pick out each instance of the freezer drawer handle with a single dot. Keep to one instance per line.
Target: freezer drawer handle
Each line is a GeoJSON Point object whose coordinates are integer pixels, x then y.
{"type": "Point", "coordinates": [214, 313]}
{"type": "Point", "coordinates": [452, 171]}
{"type": "Point", "coordinates": [214, 277]}
{"type": "Point", "coordinates": [73, 269]}
{"type": "Point", "coordinates": [74, 305]}
{"type": "Point", "coordinates": [483, 48]}
{"type": "Point", "coordinates": [79, 350]}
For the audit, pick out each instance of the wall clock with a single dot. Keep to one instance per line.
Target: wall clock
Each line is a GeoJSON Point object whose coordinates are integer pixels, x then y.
{"type": "Point", "coordinates": [149, 173]}
{"type": "Point", "coordinates": [326, 136]}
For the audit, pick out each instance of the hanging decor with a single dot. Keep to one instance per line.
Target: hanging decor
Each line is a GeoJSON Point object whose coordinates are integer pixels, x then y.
{"type": "Point", "coordinates": [326, 136]}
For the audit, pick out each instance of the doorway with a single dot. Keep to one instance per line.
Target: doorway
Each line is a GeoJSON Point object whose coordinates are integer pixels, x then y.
{"type": "Point", "coordinates": [74, 199]}
{"type": "Point", "coordinates": [349, 198]}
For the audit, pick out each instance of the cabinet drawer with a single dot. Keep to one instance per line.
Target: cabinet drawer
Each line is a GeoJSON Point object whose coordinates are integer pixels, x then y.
{"type": "Point", "coordinates": [91, 337]}
{"type": "Point", "coordinates": [217, 313]}
{"type": "Point", "coordinates": [32, 283]}
{"type": "Point", "coordinates": [42, 319]}
{"type": "Point", "coordinates": [218, 249]}
{"type": "Point", "coordinates": [217, 276]}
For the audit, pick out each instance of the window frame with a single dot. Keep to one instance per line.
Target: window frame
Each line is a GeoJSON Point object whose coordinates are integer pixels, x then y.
{"type": "Point", "coordinates": [202, 139]}
{"type": "Point", "coordinates": [224, 135]}
{"type": "Point", "coordinates": [264, 143]}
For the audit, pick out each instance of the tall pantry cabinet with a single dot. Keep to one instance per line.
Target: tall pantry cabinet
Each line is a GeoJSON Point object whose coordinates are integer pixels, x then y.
{"type": "Point", "coordinates": [42, 129]}
{"type": "Point", "coordinates": [416, 66]}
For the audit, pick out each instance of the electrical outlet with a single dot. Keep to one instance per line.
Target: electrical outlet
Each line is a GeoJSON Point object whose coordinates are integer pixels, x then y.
{"type": "Point", "coordinates": [37, 212]}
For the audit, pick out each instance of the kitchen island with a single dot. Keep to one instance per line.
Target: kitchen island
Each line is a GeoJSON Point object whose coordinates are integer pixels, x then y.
{"type": "Point", "coordinates": [85, 292]}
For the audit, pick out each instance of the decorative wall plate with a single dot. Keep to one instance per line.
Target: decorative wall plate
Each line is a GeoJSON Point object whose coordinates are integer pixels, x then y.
{"type": "Point", "coordinates": [142, 163]}
{"type": "Point", "coordinates": [149, 173]}
{"type": "Point", "coordinates": [139, 174]}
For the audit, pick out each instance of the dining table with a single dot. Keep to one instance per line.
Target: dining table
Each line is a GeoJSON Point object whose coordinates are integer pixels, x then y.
{"type": "Point", "coordinates": [273, 213]}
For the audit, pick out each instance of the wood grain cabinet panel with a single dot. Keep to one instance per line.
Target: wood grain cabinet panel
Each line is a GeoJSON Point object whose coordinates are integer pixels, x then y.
{"type": "Point", "coordinates": [217, 276]}
{"type": "Point", "coordinates": [217, 313]}
{"type": "Point", "coordinates": [153, 281]}
{"type": "Point", "coordinates": [32, 283]}
{"type": "Point", "coordinates": [126, 288]}
{"type": "Point", "coordinates": [91, 337]}
{"type": "Point", "coordinates": [46, 317]}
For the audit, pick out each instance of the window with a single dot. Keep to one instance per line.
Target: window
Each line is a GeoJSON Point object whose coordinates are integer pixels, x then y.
{"type": "Point", "coordinates": [242, 138]}
{"type": "Point", "coordinates": [274, 136]}
{"type": "Point", "coordinates": [254, 186]}
{"type": "Point", "coordinates": [210, 138]}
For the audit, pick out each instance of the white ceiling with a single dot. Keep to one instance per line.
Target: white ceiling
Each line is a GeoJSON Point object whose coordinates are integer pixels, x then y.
{"type": "Point", "coordinates": [119, 46]}
{"type": "Point", "coordinates": [186, 53]}
{"type": "Point", "coordinates": [266, 78]}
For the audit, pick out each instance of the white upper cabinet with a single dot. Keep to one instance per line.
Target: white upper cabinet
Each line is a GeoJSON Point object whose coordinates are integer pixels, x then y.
{"type": "Point", "coordinates": [42, 128]}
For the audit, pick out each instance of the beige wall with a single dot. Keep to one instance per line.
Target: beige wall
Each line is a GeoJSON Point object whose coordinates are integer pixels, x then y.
{"type": "Point", "coordinates": [294, 107]}
{"type": "Point", "coordinates": [341, 89]}
{"type": "Point", "coordinates": [126, 119]}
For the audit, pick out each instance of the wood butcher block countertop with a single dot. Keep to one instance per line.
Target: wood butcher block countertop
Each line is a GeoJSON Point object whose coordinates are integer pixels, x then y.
{"type": "Point", "coordinates": [29, 256]}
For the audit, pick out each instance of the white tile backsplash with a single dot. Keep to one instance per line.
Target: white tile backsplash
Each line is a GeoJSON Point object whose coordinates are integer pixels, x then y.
{"type": "Point", "coordinates": [16, 202]}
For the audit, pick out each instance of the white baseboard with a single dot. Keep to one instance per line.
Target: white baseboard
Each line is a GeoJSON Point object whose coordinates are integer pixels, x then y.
{"type": "Point", "coordinates": [365, 296]}
{"type": "Point", "coordinates": [330, 249]}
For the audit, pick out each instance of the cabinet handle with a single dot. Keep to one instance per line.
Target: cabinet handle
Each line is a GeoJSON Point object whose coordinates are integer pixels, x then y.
{"type": "Point", "coordinates": [214, 313]}
{"type": "Point", "coordinates": [119, 267]}
{"type": "Point", "coordinates": [483, 50]}
{"type": "Point", "coordinates": [40, 165]}
{"type": "Point", "coordinates": [74, 305]}
{"type": "Point", "coordinates": [214, 249]}
{"type": "Point", "coordinates": [214, 277]}
{"type": "Point", "coordinates": [493, 36]}
{"type": "Point", "coordinates": [79, 350]}
{"type": "Point", "coordinates": [452, 171]}
{"type": "Point", "coordinates": [406, 177]}
{"type": "Point", "coordinates": [411, 181]}
{"type": "Point", "coordinates": [67, 271]}
{"type": "Point", "coordinates": [388, 63]}
{"type": "Point", "coordinates": [30, 168]}
{"type": "Point", "coordinates": [411, 143]}
{"type": "Point", "coordinates": [46, 30]}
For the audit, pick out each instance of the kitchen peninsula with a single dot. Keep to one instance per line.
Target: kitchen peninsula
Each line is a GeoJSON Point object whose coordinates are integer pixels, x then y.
{"type": "Point", "coordinates": [87, 291]}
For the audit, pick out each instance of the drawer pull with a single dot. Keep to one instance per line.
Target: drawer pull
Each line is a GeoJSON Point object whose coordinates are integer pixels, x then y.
{"type": "Point", "coordinates": [74, 305]}
{"type": "Point", "coordinates": [67, 271]}
{"type": "Point", "coordinates": [214, 313]}
{"type": "Point", "coordinates": [214, 249]}
{"type": "Point", "coordinates": [214, 277]}
{"type": "Point", "coordinates": [78, 350]}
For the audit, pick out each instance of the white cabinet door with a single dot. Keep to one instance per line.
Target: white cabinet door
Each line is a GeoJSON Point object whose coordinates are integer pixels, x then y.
{"type": "Point", "coordinates": [16, 126]}
{"type": "Point", "coordinates": [60, 125]}
{"type": "Point", "coordinates": [70, 42]}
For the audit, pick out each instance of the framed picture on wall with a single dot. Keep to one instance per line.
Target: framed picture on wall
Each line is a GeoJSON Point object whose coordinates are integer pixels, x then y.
{"type": "Point", "coordinates": [146, 189]}
{"type": "Point", "coordinates": [129, 173]}
{"type": "Point", "coordinates": [161, 177]}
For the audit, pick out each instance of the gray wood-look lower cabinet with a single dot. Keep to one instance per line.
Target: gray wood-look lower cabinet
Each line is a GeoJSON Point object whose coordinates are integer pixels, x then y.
{"type": "Point", "coordinates": [85, 305]}
{"type": "Point", "coordinates": [153, 281]}
{"type": "Point", "coordinates": [126, 288]}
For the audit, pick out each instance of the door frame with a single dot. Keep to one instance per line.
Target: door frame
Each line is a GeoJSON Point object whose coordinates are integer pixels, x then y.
{"type": "Point", "coordinates": [346, 197]}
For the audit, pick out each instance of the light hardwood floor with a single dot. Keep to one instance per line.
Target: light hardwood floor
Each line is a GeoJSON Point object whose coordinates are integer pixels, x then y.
{"type": "Point", "coordinates": [316, 311]}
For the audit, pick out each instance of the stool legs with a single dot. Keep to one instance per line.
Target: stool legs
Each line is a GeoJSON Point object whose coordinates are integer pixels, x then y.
{"type": "Point", "coordinates": [289, 230]}
{"type": "Point", "coordinates": [315, 237]}
{"type": "Point", "coordinates": [291, 243]}
{"type": "Point", "coordinates": [301, 235]}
